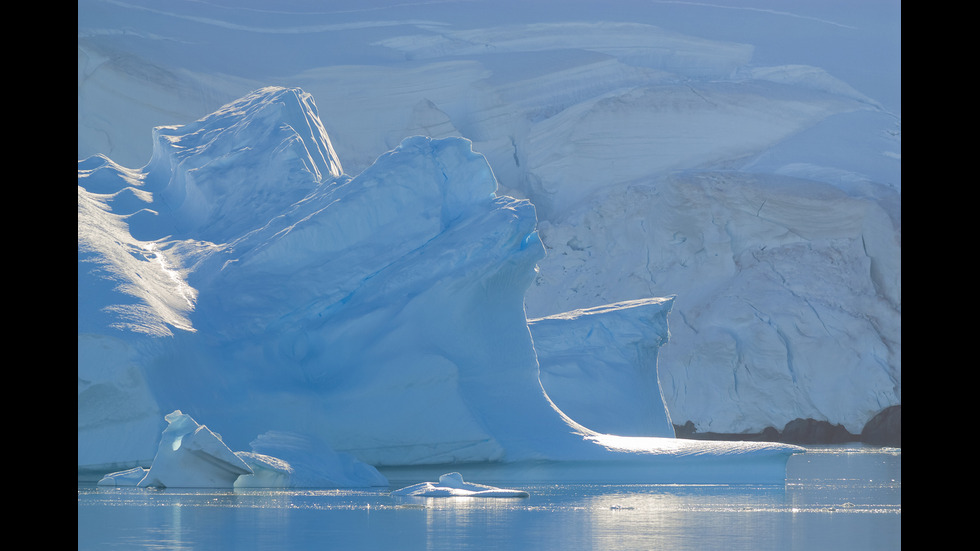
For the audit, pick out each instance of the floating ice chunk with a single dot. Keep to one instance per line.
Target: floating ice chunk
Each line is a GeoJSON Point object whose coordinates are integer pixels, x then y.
{"type": "Point", "coordinates": [267, 471]}
{"type": "Point", "coordinates": [191, 456]}
{"type": "Point", "coordinates": [288, 460]}
{"type": "Point", "coordinates": [452, 485]}
{"type": "Point", "coordinates": [129, 477]}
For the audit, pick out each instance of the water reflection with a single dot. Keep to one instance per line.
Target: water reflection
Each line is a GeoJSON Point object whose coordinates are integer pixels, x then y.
{"type": "Point", "coordinates": [666, 516]}
{"type": "Point", "coordinates": [833, 500]}
{"type": "Point", "coordinates": [465, 523]}
{"type": "Point", "coordinates": [607, 517]}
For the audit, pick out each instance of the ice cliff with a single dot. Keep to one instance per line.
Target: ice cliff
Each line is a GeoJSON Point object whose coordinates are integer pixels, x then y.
{"type": "Point", "coordinates": [599, 365]}
{"type": "Point", "coordinates": [745, 160]}
{"type": "Point", "coordinates": [242, 277]}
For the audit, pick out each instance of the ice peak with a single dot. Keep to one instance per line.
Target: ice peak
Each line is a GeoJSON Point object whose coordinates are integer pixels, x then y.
{"type": "Point", "coordinates": [258, 154]}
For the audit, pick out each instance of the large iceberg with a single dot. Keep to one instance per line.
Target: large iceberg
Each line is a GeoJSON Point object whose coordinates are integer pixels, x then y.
{"type": "Point", "coordinates": [744, 160]}
{"type": "Point", "coordinates": [381, 314]}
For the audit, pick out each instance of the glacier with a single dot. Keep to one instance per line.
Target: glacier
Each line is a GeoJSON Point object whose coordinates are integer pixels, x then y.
{"type": "Point", "coordinates": [380, 315]}
{"type": "Point", "coordinates": [743, 157]}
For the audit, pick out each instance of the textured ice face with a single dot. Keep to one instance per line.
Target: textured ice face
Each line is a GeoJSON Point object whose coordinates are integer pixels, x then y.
{"type": "Point", "coordinates": [382, 315]}
{"type": "Point", "coordinates": [320, 311]}
{"type": "Point", "coordinates": [589, 117]}
{"type": "Point", "coordinates": [192, 456]}
{"type": "Point", "coordinates": [257, 155]}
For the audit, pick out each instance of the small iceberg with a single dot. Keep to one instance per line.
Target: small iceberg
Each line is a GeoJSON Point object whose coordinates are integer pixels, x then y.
{"type": "Point", "coordinates": [190, 455]}
{"type": "Point", "coordinates": [452, 485]}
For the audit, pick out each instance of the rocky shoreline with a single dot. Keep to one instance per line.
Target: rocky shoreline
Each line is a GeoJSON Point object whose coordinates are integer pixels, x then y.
{"type": "Point", "coordinates": [884, 429]}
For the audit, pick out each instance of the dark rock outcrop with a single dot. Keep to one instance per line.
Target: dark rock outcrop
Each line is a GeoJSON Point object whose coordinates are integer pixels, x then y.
{"type": "Point", "coordinates": [884, 429]}
{"type": "Point", "coordinates": [811, 431]}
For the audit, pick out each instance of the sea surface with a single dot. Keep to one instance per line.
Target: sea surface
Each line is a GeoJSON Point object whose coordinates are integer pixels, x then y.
{"type": "Point", "coordinates": [834, 498]}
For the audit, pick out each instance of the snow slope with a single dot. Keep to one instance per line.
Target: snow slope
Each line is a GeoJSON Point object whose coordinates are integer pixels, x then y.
{"type": "Point", "coordinates": [742, 156]}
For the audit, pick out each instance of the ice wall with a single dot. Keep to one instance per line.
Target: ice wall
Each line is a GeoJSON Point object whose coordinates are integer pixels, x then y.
{"type": "Point", "coordinates": [599, 365]}
{"type": "Point", "coordinates": [785, 288]}
{"type": "Point", "coordinates": [380, 315]}
{"type": "Point", "coordinates": [746, 160]}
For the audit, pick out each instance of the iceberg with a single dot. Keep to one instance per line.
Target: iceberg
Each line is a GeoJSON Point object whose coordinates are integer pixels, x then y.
{"type": "Point", "coordinates": [284, 460]}
{"type": "Point", "coordinates": [129, 477]}
{"type": "Point", "coordinates": [374, 321]}
{"type": "Point", "coordinates": [753, 171]}
{"type": "Point", "coordinates": [190, 455]}
{"type": "Point", "coordinates": [452, 485]}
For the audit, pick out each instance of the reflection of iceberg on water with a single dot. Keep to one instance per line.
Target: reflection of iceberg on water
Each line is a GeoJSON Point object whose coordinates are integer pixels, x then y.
{"type": "Point", "coordinates": [379, 316]}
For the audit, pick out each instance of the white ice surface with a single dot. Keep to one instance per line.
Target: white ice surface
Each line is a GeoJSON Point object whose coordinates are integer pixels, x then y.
{"type": "Point", "coordinates": [283, 460]}
{"type": "Point", "coordinates": [783, 249]}
{"type": "Point", "coordinates": [452, 485]}
{"type": "Point", "coordinates": [192, 456]}
{"type": "Point", "coordinates": [380, 316]}
{"type": "Point", "coordinates": [599, 365]}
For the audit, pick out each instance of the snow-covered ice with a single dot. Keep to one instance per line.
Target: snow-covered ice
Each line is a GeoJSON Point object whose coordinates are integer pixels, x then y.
{"type": "Point", "coordinates": [190, 455]}
{"type": "Point", "coordinates": [381, 315]}
{"type": "Point", "coordinates": [284, 460]}
{"type": "Point", "coordinates": [599, 365]}
{"type": "Point", "coordinates": [452, 485]}
{"type": "Point", "coordinates": [743, 159]}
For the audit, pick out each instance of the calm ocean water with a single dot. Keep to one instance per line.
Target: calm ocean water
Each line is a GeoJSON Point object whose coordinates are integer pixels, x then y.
{"type": "Point", "coordinates": [835, 498]}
